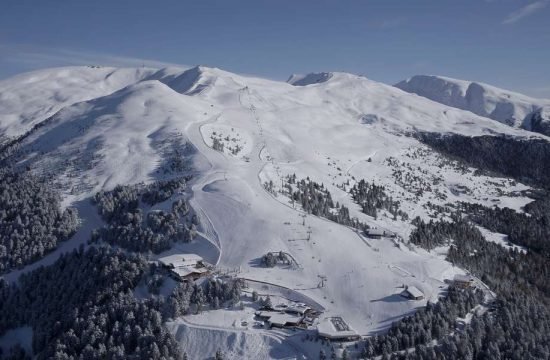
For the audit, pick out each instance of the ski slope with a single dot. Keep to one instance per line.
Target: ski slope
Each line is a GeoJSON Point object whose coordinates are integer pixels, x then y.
{"type": "Point", "coordinates": [335, 129]}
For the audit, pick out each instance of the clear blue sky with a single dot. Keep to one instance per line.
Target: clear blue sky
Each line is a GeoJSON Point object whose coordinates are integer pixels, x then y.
{"type": "Point", "coordinates": [502, 42]}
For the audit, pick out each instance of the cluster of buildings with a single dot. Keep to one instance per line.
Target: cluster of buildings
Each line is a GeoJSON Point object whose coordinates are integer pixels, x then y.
{"type": "Point", "coordinates": [186, 267]}
{"type": "Point", "coordinates": [460, 281]}
{"type": "Point", "coordinates": [302, 316]}
{"type": "Point", "coordinates": [288, 316]}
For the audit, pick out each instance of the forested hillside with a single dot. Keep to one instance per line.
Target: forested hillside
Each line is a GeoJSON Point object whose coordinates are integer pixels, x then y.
{"type": "Point", "coordinates": [518, 326]}
{"type": "Point", "coordinates": [32, 222]}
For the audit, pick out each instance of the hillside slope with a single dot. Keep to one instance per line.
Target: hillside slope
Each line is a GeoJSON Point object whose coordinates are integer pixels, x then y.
{"type": "Point", "coordinates": [29, 98]}
{"type": "Point", "coordinates": [242, 139]}
{"type": "Point", "coordinates": [504, 106]}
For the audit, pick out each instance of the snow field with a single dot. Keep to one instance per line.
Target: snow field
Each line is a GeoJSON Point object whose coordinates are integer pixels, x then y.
{"type": "Point", "coordinates": [337, 131]}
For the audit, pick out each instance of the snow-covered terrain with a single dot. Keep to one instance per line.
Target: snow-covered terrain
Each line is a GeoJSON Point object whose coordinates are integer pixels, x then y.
{"type": "Point", "coordinates": [30, 98]}
{"type": "Point", "coordinates": [107, 127]}
{"type": "Point", "coordinates": [505, 106]}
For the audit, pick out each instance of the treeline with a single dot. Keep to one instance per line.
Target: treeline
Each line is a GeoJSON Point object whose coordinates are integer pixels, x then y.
{"type": "Point", "coordinates": [436, 233]}
{"type": "Point", "coordinates": [519, 327]}
{"type": "Point", "coordinates": [526, 160]}
{"type": "Point", "coordinates": [155, 231]}
{"type": "Point", "coordinates": [432, 323]}
{"type": "Point", "coordinates": [530, 229]}
{"type": "Point", "coordinates": [31, 220]}
{"type": "Point", "coordinates": [500, 268]}
{"type": "Point", "coordinates": [503, 270]}
{"type": "Point", "coordinates": [372, 197]}
{"type": "Point", "coordinates": [82, 307]}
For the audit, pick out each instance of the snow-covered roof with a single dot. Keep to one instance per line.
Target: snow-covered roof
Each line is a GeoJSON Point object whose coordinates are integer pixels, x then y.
{"type": "Point", "coordinates": [177, 260]}
{"type": "Point", "coordinates": [335, 327]}
{"type": "Point", "coordinates": [414, 292]}
{"type": "Point", "coordinates": [375, 232]}
{"type": "Point", "coordinates": [279, 318]}
{"type": "Point", "coordinates": [184, 271]}
{"type": "Point", "coordinates": [282, 318]}
{"type": "Point", "coordinates": [184, 264]}
{"type": "Point", "coordinates": [298, 308]}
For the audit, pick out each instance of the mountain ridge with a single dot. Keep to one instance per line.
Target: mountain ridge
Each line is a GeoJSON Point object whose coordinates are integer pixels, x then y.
{"type": "Point", "coordinates": [511, 108]}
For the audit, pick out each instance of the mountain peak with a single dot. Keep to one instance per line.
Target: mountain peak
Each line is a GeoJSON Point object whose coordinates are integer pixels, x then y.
{"type": "Point", "coordinates": [309, 79]}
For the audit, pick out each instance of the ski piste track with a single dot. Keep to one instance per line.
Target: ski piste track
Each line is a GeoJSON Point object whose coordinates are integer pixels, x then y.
{"type": "Point", "coordinates": [213, 174]}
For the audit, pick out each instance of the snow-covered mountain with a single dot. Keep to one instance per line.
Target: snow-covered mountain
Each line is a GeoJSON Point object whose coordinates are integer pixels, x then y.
{"type": "Point", "coordinates": [30, 98]}
{"type": "Point", "coordinates": [507, 107]}
{"type": "Point", "coordinates": [308, 79]}
{"type": "Point", "coordinates": [91, 129]}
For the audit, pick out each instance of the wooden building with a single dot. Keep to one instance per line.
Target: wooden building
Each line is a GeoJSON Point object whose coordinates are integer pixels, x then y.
{"type": "Point", "coordinates": [463, 281]}
{"type": "Point", "coordinates": [412, 293]}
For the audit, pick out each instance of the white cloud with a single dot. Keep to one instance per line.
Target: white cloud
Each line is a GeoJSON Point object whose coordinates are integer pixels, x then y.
{"type": "Point", "coordinates": [525, 11]}
{"type": "Point", "coordinates": [33, 56]}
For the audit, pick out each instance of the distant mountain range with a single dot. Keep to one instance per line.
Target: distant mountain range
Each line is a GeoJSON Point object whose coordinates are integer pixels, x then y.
{"type": "Point", "coordinates": [505, 106]}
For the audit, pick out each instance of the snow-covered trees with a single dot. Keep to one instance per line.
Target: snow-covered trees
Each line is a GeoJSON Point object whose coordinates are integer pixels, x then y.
{"type": "Point", "coordinates": [273, 258]}
{"type": "Point", "coordinates": [317, 200]}
{"type": "Point", "coordinates": [129, 228]}
{"type": "Point", "coordinates": [435, 321]}
{"type": "Point", "coordinates": [31, 220]}
{"type": "Point", "coordinates": [82, 306]}
{"type": "Point", "coordinates": [526, 160]}
{"type": "Point", "coordinates": [372, 197]}
{"type": "Point", "coordinates": [519, 323]}
{"type": "Point", "coordinates": [518, 327]}
{"type": "Point", "coordinates": [219, 355]}
{"type": "Point", "coordinates": [188, 297]}
{"type": "Point", "coordinates": [162, 190]}
{"type": "Point", "coordinates": [530, 229]}
{"type": "Point", "coordinates": [217, 144]}
{"type": "Point", "coordinates": [436, 233]}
